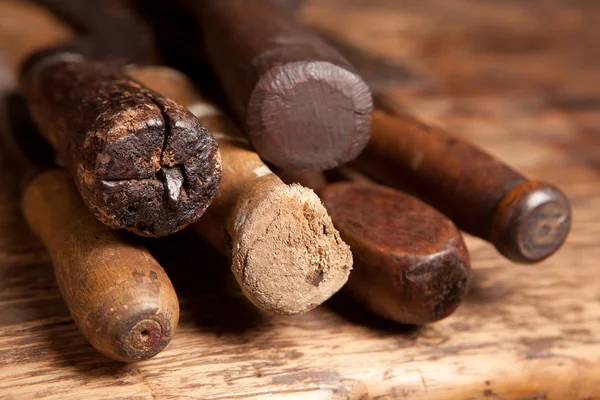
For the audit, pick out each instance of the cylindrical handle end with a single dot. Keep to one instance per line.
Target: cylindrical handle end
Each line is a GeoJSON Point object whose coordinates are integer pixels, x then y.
{"type": "Point", "coordinates": [531, 222]}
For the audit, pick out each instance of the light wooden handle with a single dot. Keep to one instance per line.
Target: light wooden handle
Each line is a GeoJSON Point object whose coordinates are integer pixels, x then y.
{"type": "Point", "coordinates": [119, 296]}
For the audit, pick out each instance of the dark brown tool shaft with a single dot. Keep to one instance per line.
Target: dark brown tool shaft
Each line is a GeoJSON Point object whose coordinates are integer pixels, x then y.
{"type": "Point", "coordinates": [300, 102]}
{"type": "Point", "coordinates": [140, 161]}
{"type": "Point", "coordinates": [410, 262]}
{"type": "Point", "coordinates": [526, 221]}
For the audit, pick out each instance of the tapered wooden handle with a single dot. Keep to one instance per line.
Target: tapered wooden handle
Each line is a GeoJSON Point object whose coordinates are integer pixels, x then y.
{"type": "Point", "coordinates": [526, 221]}
{"type": "Point", "coordinates": [291, 4]}
{"type": "Point", "coordinates": [119, 296]}
{"type": "Point", "coordinates": [300, 102]}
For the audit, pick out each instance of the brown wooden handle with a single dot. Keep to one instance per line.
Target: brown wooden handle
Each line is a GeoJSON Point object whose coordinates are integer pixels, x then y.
{"type": "Point", "coordinates": [411, 264]}
{"type": "Point", "coordinates": [526, 221]}
{"type": "Point", "coordinates": [300, 102]}
{"type": "Point", "coordinates": [119, 296]}
{"type": "Point", "coordinates": [140, 161]}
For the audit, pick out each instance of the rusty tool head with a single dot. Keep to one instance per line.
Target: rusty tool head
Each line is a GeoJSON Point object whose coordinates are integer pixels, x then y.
{"type": "Point", "coordinates": [531, 222]}
{"type": "Point", "coordinates": [140, 161]}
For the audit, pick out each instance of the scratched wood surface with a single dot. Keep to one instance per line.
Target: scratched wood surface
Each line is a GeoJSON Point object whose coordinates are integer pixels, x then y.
{"type": "Point", "coordinates": [519, 78]}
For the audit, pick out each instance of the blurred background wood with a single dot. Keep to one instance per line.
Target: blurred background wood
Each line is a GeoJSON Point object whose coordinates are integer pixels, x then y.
{"type": "Point", "coordinates": [521, 79]}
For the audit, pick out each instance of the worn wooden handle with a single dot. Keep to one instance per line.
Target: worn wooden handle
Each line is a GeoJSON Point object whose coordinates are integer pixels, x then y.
{"type": "Point", "coordinates": [286, 255]}
{"type": "Point", "coordinates": [119, 296]}
{"type": "Point", "coordinates": [526, 221]}
{"type": "Point", "coordinates": [300, 102]}
{"type": "Point", "coordinates": [411, 264]}
{"type": "Point", "coordinates": [140, 161]}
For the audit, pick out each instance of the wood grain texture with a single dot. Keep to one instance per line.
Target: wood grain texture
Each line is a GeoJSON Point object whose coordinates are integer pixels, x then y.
{"type": "Point", "coordinates": [516, 78]}
{"type": "Point", "coordinates": [119, 296]}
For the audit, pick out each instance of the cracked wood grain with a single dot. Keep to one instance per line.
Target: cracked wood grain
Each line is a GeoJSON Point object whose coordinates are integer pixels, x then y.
{"type": "Point", "coordinates": [140, 161]}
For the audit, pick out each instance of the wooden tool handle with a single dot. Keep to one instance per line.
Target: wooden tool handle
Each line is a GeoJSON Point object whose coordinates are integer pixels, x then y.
{"type": "Point", "coordinates": [411, 264]}
{"type": "Point", "coordinates": [140, 161]}
{"type": "Point", "coordinates": [300, 102]}
{"type": "Point", "coordinates": [119, 296]}
{"type": "Point", "coordinates": [526, 221]}
{"type": "Point", "coordinates": [286, 255]}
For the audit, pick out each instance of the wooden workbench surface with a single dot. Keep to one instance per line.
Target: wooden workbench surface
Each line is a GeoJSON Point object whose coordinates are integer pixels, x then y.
{"type": "Point", "coordinates": [521, 79]}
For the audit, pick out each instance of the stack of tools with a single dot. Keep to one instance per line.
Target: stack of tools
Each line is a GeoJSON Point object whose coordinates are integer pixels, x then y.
{"type": "Point", "coordinates": [289, 157]}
